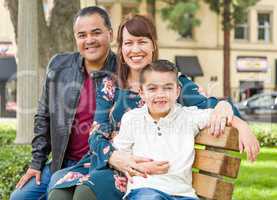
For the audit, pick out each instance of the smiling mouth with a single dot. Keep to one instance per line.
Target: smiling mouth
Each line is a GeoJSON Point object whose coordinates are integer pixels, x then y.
{"type": "Point", "coordinates": [136, 58]}
{"type": "Point", "coordinates": [160, 102]}
{"type": "Point", "coordinates": [92, 47]}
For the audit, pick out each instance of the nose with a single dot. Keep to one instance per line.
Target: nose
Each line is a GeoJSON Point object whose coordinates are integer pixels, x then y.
{"type": "Point", "coordinates": [90, 39]}
{"type": "Point", "coordinates": [136, 48]}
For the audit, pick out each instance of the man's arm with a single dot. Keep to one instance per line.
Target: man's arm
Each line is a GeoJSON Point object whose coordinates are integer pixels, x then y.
{"type": "Point", "coordinates": [41, 145]}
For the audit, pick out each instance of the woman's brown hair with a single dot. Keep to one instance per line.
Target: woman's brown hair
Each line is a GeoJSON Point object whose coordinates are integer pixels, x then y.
{"type": "Point", "coordinates": [139, 26]}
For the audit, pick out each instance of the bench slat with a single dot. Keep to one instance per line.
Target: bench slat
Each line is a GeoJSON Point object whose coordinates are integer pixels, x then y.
{"type": "Point", "coordinates": [211, 187]}
{"type": "Point", "coordinates": [229, 140]}
{"type": "Point", "coordinates": [217, 163]}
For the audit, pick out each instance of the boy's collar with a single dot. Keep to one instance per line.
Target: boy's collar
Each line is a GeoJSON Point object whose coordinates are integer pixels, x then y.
{"type": "Point", "coordinates": [168, 118]}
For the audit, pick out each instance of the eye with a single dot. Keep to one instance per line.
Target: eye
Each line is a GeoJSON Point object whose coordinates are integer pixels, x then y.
{"type": "Point", "coordinates": [127, 43]}
{"type": "Point", "coordinates": [97, 32]}
{"type": "Point", "coordinates": [151, 89]}
{"type": "Point", "coordinates": [81, 36]}
{"type": "Point", "coordinates": [168, 88]}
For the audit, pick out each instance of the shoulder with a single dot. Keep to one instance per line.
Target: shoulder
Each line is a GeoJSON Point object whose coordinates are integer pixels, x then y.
{"type": "Point", "coordinates": [134, 114]}
{"type": "Point", "coordinates": [68, 59]}
{"type": "Point", "coordinates": [194, 110]}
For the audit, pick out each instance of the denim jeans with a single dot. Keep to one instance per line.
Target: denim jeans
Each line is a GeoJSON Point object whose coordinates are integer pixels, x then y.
{"type": "Point", "coordinates": [32, 191]}
{"type": "Point", "coordinates": [152, 194]}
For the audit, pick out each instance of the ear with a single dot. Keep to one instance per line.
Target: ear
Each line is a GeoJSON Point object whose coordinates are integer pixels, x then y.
{"type": "Point", "coordinates": [141, 94]}
{"type": "Point", "coordinates": [111, 35]}
{"type": "Point", "coordinates": [178, 91]}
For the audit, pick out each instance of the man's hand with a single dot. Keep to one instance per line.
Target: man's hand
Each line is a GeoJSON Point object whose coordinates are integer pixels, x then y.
{"type": "Point", "coordinates": [27, 176]}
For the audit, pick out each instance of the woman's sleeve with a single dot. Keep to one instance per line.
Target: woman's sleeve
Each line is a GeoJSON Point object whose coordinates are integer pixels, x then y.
{"type": "Point", "coordinates": [99, 140]}
{"type": "Point", "coordinates": [190, 96]}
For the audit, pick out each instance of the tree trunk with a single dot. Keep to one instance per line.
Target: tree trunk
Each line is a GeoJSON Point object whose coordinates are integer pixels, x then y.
{"type": "Point", "coordinates": [226, 48]}
{"type": "Point", "coordinates": [37, 41]}
{"type": "Point", "coordinates": [151, 9]}
{"type": "Point", "coordinates": [28, 62]}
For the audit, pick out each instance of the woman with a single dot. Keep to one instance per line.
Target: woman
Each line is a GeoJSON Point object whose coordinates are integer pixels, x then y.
{"type": "Point", "coordinates": [137, 47]}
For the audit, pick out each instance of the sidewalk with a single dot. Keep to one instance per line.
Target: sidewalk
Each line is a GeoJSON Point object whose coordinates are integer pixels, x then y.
{"type": "Point", "coordinates": [7, 120]}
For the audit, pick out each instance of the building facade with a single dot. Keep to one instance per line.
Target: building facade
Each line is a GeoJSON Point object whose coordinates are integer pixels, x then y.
{"type": "Point", "coordinates": [7, 64]}
{"type": "Point", "coordinates": [200, 52]}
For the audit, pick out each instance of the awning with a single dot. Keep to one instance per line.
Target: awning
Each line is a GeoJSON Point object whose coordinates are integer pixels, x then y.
{"type": "Point", "coordinates": [189, 65]}
{"type": "Point", "coordinates": [7, 68]}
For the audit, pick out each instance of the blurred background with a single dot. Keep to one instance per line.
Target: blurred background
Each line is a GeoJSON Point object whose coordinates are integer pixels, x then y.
{"type": "Point", "coordinates": [227, 47]}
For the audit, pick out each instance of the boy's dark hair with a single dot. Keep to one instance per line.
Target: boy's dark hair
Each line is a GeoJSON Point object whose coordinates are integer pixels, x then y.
{"type": "Point", "coordinates": [159, 66]}
{"type": "Point", "coordinates": [87, 11]}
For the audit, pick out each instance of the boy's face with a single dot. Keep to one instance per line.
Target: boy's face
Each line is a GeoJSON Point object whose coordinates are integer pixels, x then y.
{"type": "Point", "coordinates": [160, 92]}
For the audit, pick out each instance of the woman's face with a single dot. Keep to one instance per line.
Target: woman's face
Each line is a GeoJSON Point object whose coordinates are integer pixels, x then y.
{"type": "Point", "coordinates": [137, 51]}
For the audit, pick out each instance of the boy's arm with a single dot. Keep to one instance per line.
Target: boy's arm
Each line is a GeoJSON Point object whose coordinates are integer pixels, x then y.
{"type": "Point", "coordinates": [224, 109]}
{"type": "Point", "coordinates": [247, 140]}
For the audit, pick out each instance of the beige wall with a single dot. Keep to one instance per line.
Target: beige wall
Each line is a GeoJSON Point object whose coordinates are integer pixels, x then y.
{"type": "Point", "coordinates": [6, 29]}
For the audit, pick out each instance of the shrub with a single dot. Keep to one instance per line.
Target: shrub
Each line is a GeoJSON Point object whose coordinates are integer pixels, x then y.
{"type": "Point", "coordinates": [7, 133]}
{"type": "Point", "coordinates": [266, 133]}
{"type": "Point", "coordinates": [14, 160]}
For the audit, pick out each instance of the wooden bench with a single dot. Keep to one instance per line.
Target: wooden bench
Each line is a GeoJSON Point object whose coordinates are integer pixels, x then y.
{"type": "Point", "coordinates": [214, 167]}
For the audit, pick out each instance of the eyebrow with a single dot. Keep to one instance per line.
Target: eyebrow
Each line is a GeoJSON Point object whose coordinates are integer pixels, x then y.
{"type": "Point", "coordinates": [91, 31]}
{"type": "Point", "coordinates": [153, 84]}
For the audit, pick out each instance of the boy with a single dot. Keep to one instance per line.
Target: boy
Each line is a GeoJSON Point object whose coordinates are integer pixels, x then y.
{"type": "Point", "coordinates": [164, 131]}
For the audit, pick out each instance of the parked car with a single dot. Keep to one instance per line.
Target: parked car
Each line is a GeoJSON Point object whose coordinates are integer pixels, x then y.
{"type": "Point", "coordinates": [261, 107]}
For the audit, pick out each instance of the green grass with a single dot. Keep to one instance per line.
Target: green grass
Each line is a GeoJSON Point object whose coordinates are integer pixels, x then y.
{"type": "Point", "coordinates": [258, 181]}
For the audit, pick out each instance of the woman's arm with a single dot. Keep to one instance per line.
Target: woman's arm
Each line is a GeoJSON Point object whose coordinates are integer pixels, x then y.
{"type": "Point", "coordinates": [247, 140]}
{"type": "Point", "coordinates": [99, 140]}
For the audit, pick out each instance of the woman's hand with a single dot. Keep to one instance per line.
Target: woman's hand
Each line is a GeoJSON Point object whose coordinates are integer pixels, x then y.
{"type": "Point", "coordinates": [222, 115]}
{"type": "Point", "coordinates": [155, 167]}
{"type": "Point", "coordinates": [128, 164]}
{"type": "Point", "coordinates": [248, 142]}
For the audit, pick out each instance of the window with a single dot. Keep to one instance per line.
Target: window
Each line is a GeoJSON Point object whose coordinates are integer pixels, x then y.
{"type": "Point", "coordinates": [242, 31]}
{"type": "Point", "coordinates": [264, 27]}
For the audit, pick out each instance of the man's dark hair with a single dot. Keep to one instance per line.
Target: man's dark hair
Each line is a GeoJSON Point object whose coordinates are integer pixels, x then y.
{"type": "Point", "coordinates": [158, 66]}
{"type": "Point", "coordinates": [91, 10]}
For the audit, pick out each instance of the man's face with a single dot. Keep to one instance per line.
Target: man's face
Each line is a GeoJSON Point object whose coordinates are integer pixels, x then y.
{"type": "Point", "coordinates": [160, 92]}
{"type": "Point", "coordinates": [92, 38]}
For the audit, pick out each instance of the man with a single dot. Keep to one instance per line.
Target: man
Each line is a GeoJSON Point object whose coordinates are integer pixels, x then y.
{"type": "Point", "coordinates": [67, 104]}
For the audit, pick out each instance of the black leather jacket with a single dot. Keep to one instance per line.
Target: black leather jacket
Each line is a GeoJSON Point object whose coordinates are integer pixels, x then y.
{"type": "Point", "coordinates": [57, 106]}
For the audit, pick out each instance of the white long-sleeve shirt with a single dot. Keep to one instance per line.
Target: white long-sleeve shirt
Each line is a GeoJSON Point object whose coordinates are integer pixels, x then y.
{"type": "Point", "coordinates": [170, 139]}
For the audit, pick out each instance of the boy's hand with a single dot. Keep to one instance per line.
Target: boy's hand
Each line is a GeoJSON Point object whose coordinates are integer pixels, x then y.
{"type": "Point", "coordinates": [248, 143]}
{"type": "Point", "coordinates": [222, 115]}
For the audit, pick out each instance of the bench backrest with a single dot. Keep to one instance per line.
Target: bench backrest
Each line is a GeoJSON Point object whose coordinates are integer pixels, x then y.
{"type": "Point", "coordinates": [214, 167]}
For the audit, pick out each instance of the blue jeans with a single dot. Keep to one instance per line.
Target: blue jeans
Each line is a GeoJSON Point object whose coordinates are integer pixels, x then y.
{"type": "Point", "coordinates": [32, 191]}
{"type": "Point", "coordinates": [152, 194]}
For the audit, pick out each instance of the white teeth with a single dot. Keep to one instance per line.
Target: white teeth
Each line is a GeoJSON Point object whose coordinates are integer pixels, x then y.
{"type": "Point", "coordinates": [136, 58]}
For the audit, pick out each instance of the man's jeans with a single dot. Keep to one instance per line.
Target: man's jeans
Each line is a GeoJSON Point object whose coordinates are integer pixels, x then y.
{"type": "Point", "coordinates": [32, 191]}
{"type": "Point", "coordinates": [152, 194]}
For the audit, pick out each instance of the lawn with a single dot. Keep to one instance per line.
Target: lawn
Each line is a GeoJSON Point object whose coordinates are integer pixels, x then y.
{"type": "Point", "coordinates": [258, 181]}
